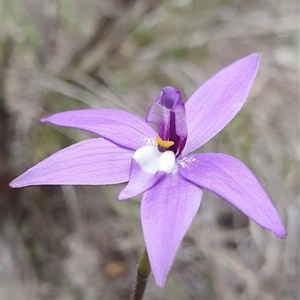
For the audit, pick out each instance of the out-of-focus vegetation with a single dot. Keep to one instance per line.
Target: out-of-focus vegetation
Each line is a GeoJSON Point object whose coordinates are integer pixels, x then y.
{"type": "Point", "coordinates": [66, 243]}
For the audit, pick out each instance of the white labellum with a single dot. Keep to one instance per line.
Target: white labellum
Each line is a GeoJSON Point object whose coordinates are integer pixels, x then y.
{"type": "Point", "coordinates": [151, 160]}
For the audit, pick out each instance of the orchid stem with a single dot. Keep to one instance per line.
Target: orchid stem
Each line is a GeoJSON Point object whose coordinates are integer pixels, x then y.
{"type": "Point", "coordinates": [143, 272]}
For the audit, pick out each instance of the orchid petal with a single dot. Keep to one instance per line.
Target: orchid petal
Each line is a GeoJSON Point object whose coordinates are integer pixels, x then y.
{"type": "Point", "coordinates": [229, 178]}
{"type": "Point", "coordinates": [139, 181]}
{"type": "Point", "coordinates": [168, 112]}
{"type": "Point", "coordinates": [218, 100]}
{"type": "Point", "coordinates": [120, 127]}
{"type": "Point", "coordinates": [90, 162]}
{"type": "Point", "coordinates": [167, 210]}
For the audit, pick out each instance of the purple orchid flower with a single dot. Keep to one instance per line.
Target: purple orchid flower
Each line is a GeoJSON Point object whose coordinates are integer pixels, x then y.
{"type": "Point", "coordinates": [160, 165]}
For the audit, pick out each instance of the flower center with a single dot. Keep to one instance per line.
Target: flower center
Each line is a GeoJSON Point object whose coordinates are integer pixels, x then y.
{"type": "Point", "coordinates": [163, 144]}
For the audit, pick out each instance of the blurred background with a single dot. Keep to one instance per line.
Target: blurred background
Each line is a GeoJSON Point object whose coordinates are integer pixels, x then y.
{"type": "Point", "coordinates": [66, 243]}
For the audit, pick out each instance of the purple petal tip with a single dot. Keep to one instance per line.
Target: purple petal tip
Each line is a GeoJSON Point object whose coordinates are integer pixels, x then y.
{"type": "Point", "coordinates": [14, 184]}
{"type": "Point", "coordinates": [121, 197]}
{"type": "Point", "coordinates": [11, 184]}
{"type": "Point", "coordinates": [161, 284]}
{"type": "Point", "coordinates": [255, 59]}
{"type": "Point", "coordinates": [256, 56]}
{"type": "Point", "coordinates": [282, 234]}
{"type": "Point", "coordinates": [44, 120]}
{"type": "Point", "coordinates": [279, 230]}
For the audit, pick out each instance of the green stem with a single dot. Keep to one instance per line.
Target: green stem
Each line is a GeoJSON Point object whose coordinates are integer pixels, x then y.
{"type": "Point", "coordinates": [143, 272]}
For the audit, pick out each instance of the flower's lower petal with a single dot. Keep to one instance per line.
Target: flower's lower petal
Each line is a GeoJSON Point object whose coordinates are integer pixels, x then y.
{"type": "Point", "coordinates": [234, 182]}
{"type": "Point", "coordinates": [167, 210]}
{"type": "Point", "coordinates": [139, 181]}
{"type": "Point", "coordinates": [91, 162]}
{"type": "Point", "coordinates": [218, 100]}
{"type": "Point", "coordinates": [120, 127]}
